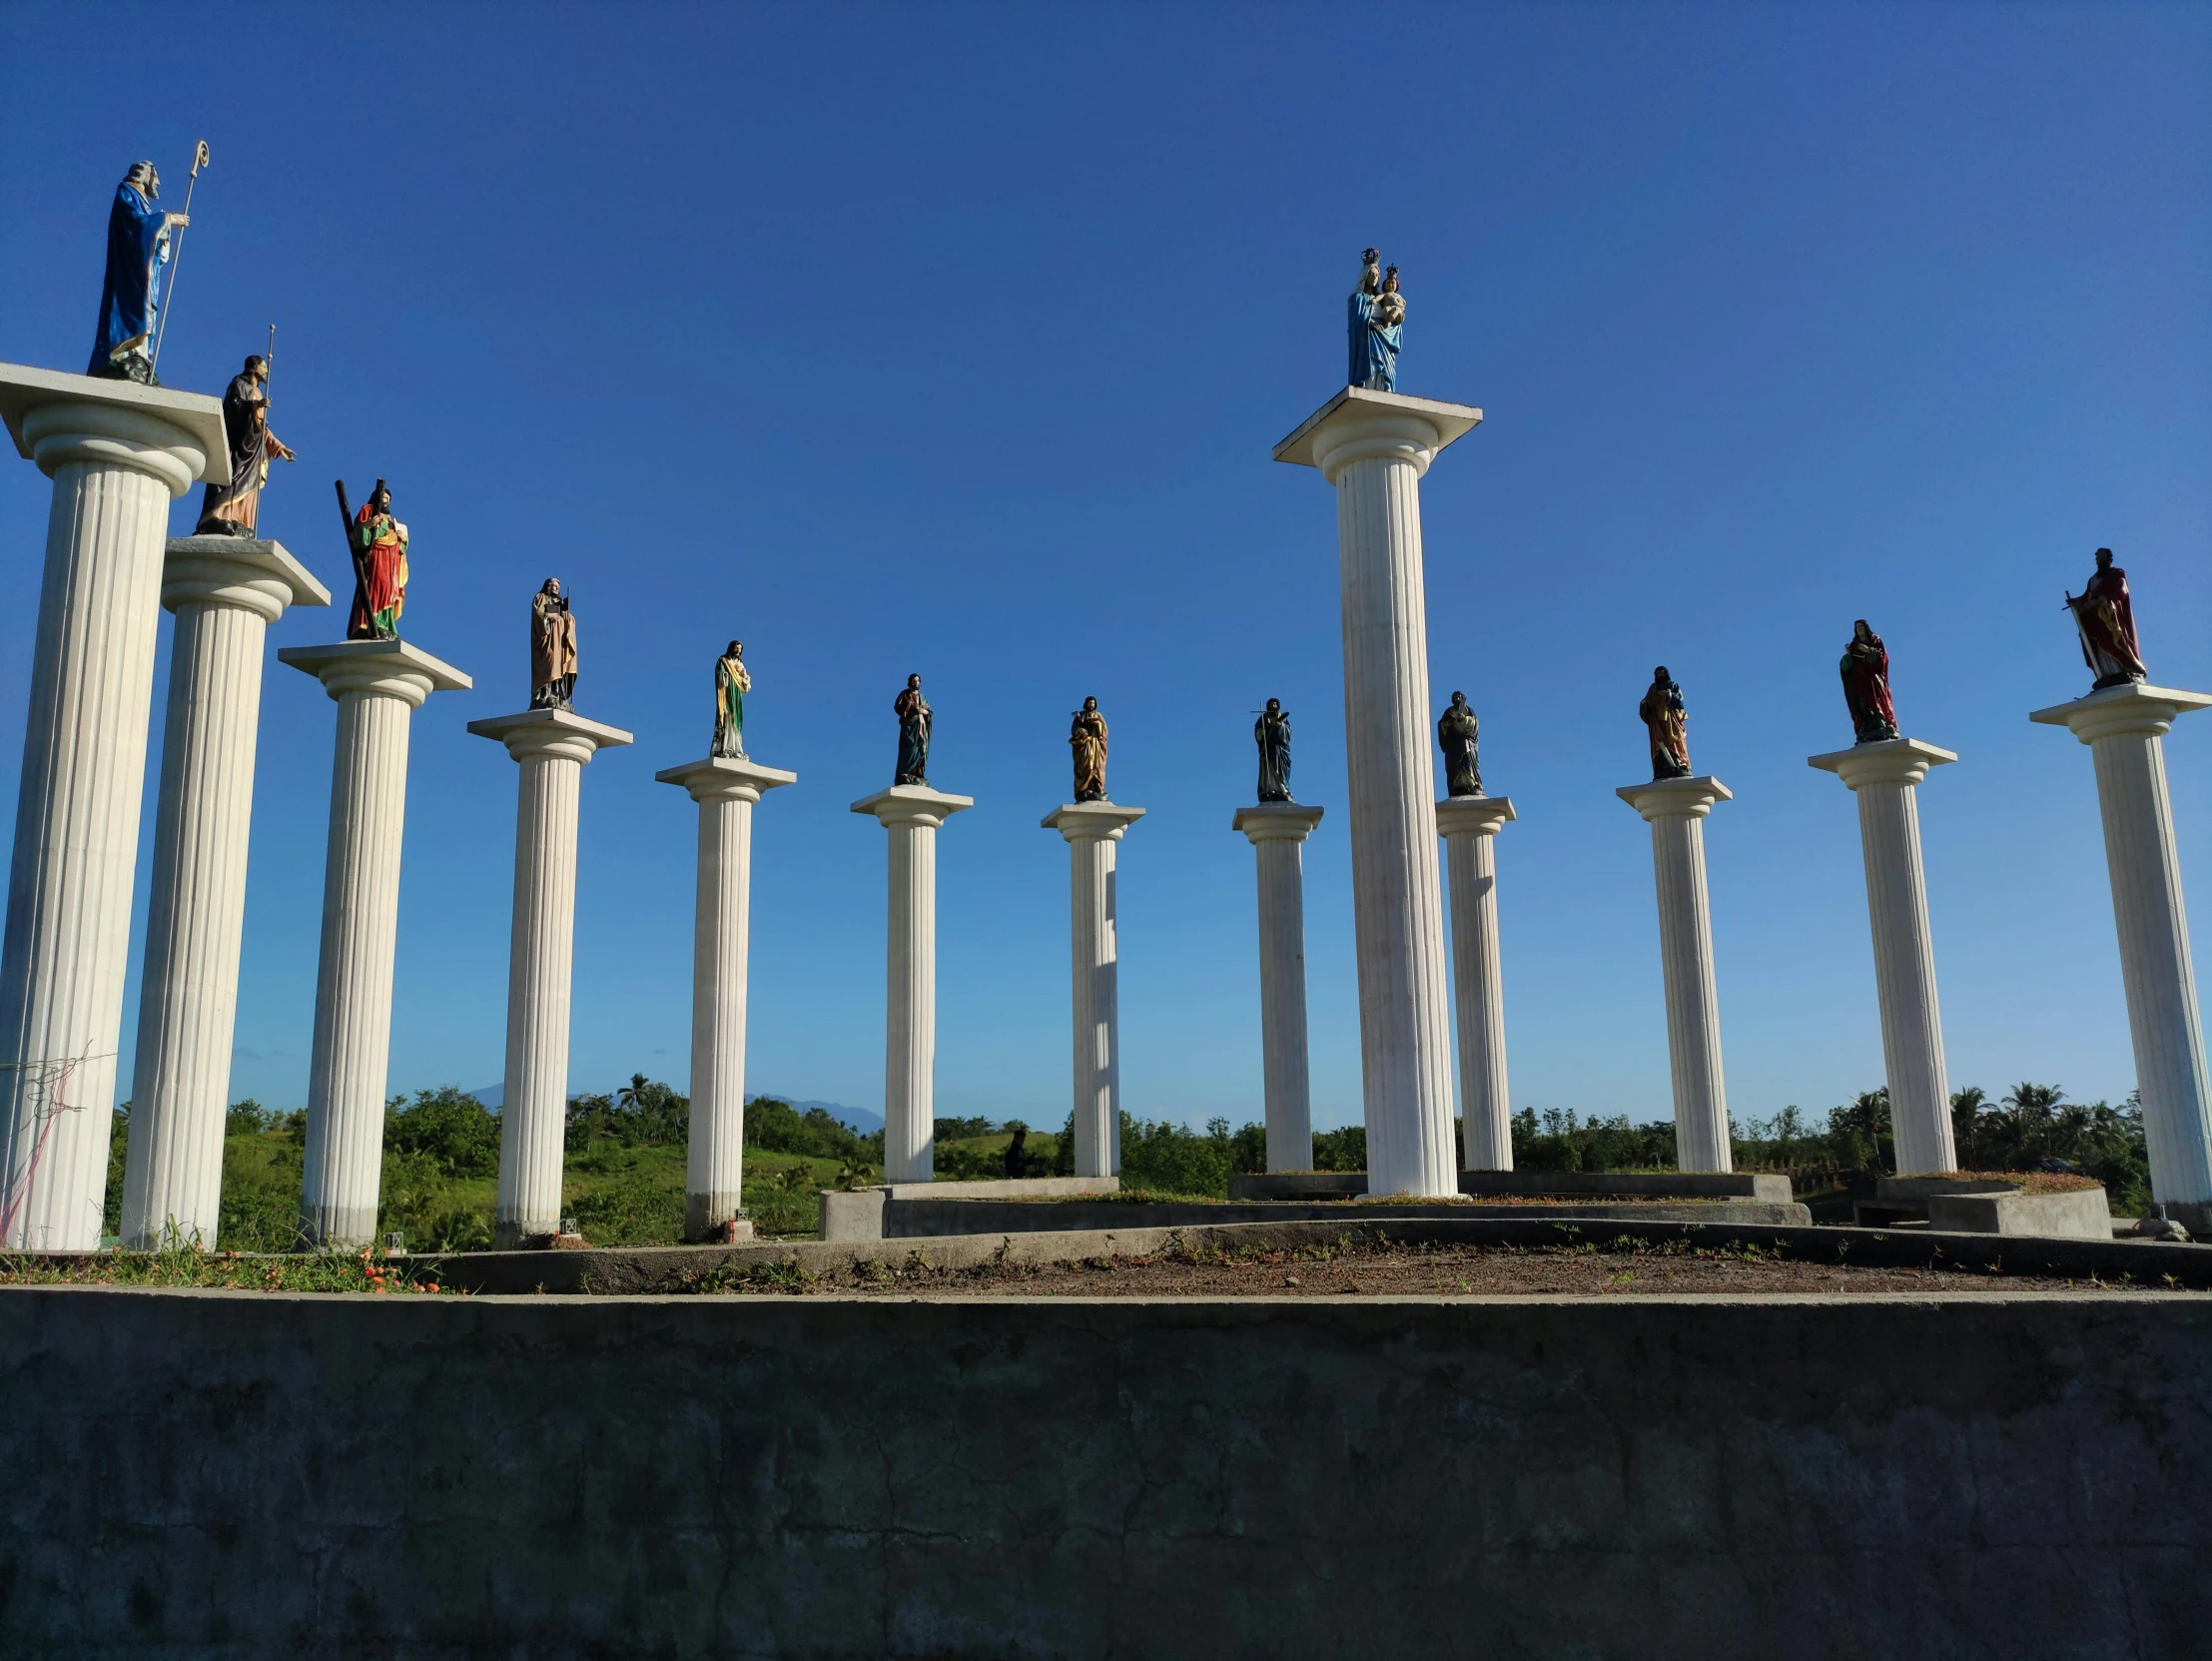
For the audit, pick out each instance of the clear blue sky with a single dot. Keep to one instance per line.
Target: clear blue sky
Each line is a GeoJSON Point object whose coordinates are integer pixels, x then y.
{"type": "Point", "coordinates": [956, 339]}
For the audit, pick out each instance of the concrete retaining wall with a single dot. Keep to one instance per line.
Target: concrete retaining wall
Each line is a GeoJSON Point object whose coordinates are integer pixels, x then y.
{"type": "Point", "coordinates": [199, 1475]}
{"type": "Point", "coordinates": [2080, 1214]}
{"type": "Point", "coordinates": [925, 1218]}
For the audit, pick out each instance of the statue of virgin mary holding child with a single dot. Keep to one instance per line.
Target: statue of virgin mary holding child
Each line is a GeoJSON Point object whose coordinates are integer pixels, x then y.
{"type": "Point", "coordinates": [1375, 315]}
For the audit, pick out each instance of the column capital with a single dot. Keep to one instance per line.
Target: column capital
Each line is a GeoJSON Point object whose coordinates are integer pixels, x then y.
{"type": "Point", "coordinates": [1272, 821]}
{"type": "Point", "coordinates": [385, 668]}
{"type": "Point", "coordinates": [258, 576]}
{"type": "Point", "coordinates": [57, 418]}
{"type": "Point", "coordinates": [1884, 761]}
{"type": "Point", "coordinates": [1472, 815]}
{"type": "Point", "coordinates": [1691, 798]}
{"type": "Point", "coordinates": [561, 733]}
{"type": "Point", "coordinates": [725, 778]}
{"type": "Point", "coordinates": [1358, 425]}
{"type": "Point", "coordinates": [1090, 822]}
{"type": "Point", "coordinates": [2132, 708]}
{"type": "Point", "coordinates": [912, 804]}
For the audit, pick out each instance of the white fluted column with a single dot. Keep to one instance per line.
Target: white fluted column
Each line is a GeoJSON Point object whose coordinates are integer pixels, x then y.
{"type": "Point", "coordinates": [721, 934]}
{"type": "Point", "coordinates": [1277, 831]}
{"type": "Point", "coordinates": [2123, 727]}
{"type": "Point", "coordinates": [552, 747]}
{"type": "Point", "coordinates": [1884, 776]}
{"type": "Point", "coordinates": [1374, 448]}
{"type": "Point", "coordinates": [1092, 830]}
{"type": "Point", "coordinates": [1676, 809]}
{"type": "Point", "coordinates": [1469, 827]}
{"type": "Point", "coordinates": [912, 814]}
{"type": "Point", "coordinates": [226, 591]}
{"type": "Point", "coordinates": [118, 454]}
{"type": "Point", "coordinates": [378, 686]}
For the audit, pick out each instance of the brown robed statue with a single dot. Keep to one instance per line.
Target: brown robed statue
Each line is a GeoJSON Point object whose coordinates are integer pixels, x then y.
{"type": "Point", "coordinates": [552, 648]}
{"type": "Point", "coordinates": [1668, 722]}
{"type": "Point", "coordinates": [1087, 738]}
{"type": "Point", "coordinates": [233, 510]}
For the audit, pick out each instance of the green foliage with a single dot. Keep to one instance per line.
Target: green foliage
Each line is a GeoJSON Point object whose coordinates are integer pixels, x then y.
{"type": "Point", "coordinates": [184, 1264]}
{"type": "Point", "coordinates": [119, 1139]}
{"type": "Point", "coordinates": [781, 1129]}
{"type": "Point", "coordinates": [2034, 1127]}
{"type": "Point", "coordinates": [1556, 1141]}
{"type": "Point", "coordinates": [955, 1129]}
{"type": "Point", "coordinates": [1344, 1149]}
{"type": "Point", "coordinates": [454, 1133]}
{"type": "Point", "coordinates": [642, 1113]}
{"type": "Point", "coordinates": [247, 1117]}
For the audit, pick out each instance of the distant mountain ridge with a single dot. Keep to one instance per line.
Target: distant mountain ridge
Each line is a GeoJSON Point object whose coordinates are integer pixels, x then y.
{"type": "Point", "coordinates": [857, 1119]}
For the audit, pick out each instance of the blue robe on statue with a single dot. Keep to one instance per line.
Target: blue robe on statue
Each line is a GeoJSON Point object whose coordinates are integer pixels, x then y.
{"type": "Point", "coordinates": [131, 297]}
{"type": "Point", "coordinates": [1375, 358]}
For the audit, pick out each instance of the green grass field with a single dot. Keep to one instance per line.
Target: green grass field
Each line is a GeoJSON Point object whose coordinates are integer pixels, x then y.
{"type": "Point", "coordinates": [619, 1196]}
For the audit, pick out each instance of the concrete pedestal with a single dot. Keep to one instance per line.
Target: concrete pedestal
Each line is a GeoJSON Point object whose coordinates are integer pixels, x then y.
{"type": "Point", "coordinates": [1277, 831]}
{"type": "Point", "coordinates": [2123, 726]}
{"type": "Point", "coordinates": [1374, 448]}
{"type": "Point", "coordinates": [552, 747]}
{"type": "Point", "coordinates": [378, 685]}
{"type": "Point", "coordinates": [1885, 776]}
{"type": "Point", "coordinates": [912, 814]}
{"type": "Point", "coordinates": [226, 591]}
{"type": "Point", "coordinates": [1469, 826]}
{"type": "Point", "coordinates": [721, 934]}
{"type": "Point", "coordinates": [118, 454]}
{"type": "Point", "coordinates": [1676, 809]}
{"type": "Point", "coordinates": [1092, 830]}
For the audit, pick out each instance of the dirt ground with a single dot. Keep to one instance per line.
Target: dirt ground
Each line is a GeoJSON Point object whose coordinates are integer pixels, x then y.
{"type": "Point", "coordinates": [1390, 1269]}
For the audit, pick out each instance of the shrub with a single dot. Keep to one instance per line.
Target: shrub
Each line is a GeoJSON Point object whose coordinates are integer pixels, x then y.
{"type": "Point", "coordinates": [778, 1128]}
{"type": "Point", "coordinates": [643, 1114]}
{"type": "Point", "coordinates": [452, 1133]}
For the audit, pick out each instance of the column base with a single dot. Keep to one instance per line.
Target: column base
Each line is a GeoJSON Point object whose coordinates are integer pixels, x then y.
{"type": "Point", "coordinates": [338, 1227]}
{"type": "Point", "coordinates": [715, 1219]}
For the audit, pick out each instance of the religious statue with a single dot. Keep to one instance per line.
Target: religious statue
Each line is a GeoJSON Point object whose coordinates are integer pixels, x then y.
{"type": "Point", "coordinates": [913, 712]}
{"type": "Point", "coordinates": [1087, 738]}
{"type": "Point", "coordinates": [1272, 733]}
{"type": "Point", "coordinates": [732, 680]}
{"type": "Point", "coordinates": [1456, 732]}
{"type": "Point", "coordinates": [379, 548]}
{"type": "Point", "coordinates": [130, 298]}
{"type": "Point", "coordinates": [552, 648]}
{"type": "Point", "coordinates": [1663, 714]}
{"type": "Point", "coordinates": [1866, 669]}
{"type": "Point", "coordinates": [2105, 618]}
{"type": "Point", "coordinates": [233, 510]}
{"type": "Point", "coordinates": [1376, 316]}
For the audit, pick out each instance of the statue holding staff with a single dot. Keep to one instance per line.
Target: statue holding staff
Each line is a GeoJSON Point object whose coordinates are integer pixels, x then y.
{"type": "Point", "coordinates": [913, 712]}
{"type": "Point", "coordinates": [1668, 722]}
{"type": "Point", "coordinates": [233, 510]}
{"type": "Point", "coordinates": [1086, 736]}
{"type": "Point", "coordinates": [379, 543]}
{"type": "Point", "coordinates": [1866, 669]}
{"type": "Point", "coordinates": [1271, 732]}
{"type": "Point", "coordinates": [139, 245]}
{"type": "Point", "coordinates": [732, 680]}
{"type": "Point", "coordinates": [552, 648]}
{"type": "Point", "coordinates": [1457, 732]}
{"type": "Point", "coordinates": [2104, 616]}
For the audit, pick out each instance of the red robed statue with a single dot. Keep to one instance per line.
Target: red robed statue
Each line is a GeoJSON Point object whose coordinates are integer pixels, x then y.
{"type": "Point", "coordinates": [2106, 619]}
{"type": "Point", "coordinates": [1866, 669]}
{"type": "Point", "coordinates": [379, 549]}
